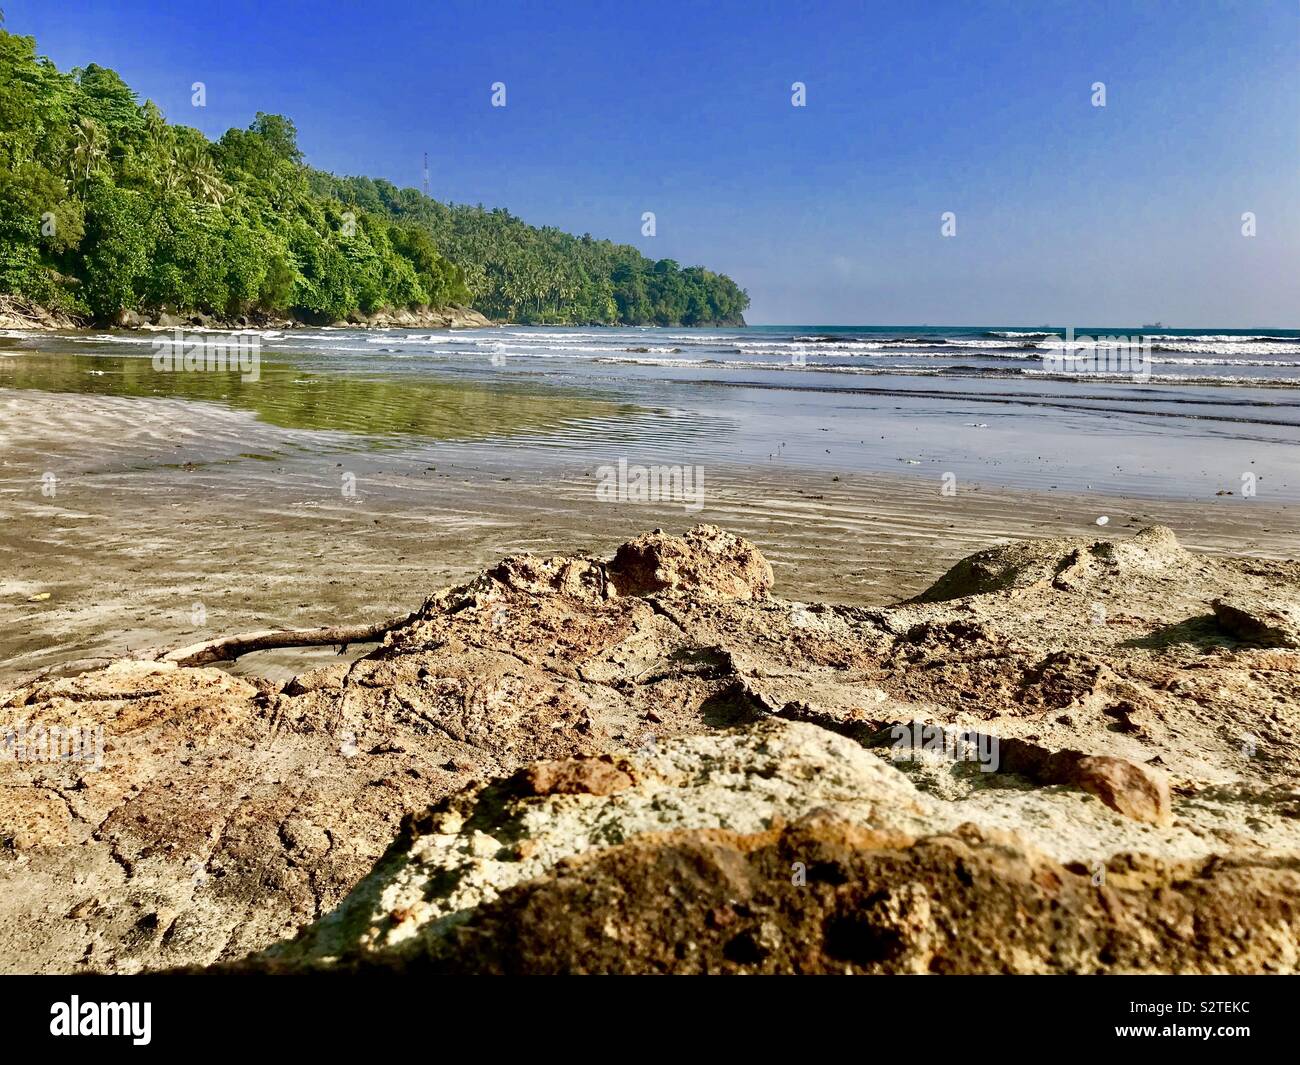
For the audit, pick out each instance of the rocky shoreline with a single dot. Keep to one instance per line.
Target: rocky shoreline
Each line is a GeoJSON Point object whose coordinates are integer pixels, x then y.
{"type": "Point", "coordinates": [22, 315]}
{"type": "Point", "coordinates": [454, 317]}
{"type": "Point", "coordinates": [1068, 755]}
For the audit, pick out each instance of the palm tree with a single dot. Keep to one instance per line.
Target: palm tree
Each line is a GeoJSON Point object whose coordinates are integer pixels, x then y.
{"type": "Point", "coordinates": [89, 149]}
{"type": "Point", "coordinates": [170, 176]}
{"type": "Point", "coordinates": [201, 174]}
{"type": "Point", "coordinates": [158, 137]}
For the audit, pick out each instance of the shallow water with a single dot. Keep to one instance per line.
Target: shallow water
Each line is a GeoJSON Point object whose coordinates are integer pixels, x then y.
{"type": "Point", "coordinates": [1221, 409]}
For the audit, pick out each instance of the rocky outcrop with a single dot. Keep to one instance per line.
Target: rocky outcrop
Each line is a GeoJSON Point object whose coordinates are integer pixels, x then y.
{"type": "Point", "coordinates": [1136, 791]}
{"type": "Point", "coordinates": [466, 850]}
{"type": "Point", "coordinates": [706, 563]}
{"type": "Point", "coordinates": [453, 317]}
{"type": "Point", "coordinates": [825, 896]}
{"type": "Point", "coordinates": [19, 314]}
{"type": "Point", "coordinates": [628, 713]}
{"type": "Point", "coordinates": [1269, 621]}
{"type": "Point", "coordinates": [1065, 563]}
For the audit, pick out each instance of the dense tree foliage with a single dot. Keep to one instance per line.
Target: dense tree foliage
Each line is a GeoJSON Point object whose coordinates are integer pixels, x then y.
{"type": "Point", "coordinates": [105, 207]}
{"type": "Point", "coordinates": [521, 273]}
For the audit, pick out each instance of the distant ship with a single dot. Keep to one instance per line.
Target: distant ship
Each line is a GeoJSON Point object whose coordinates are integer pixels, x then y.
{"type": "Point", "coordinates": [1154, 325]}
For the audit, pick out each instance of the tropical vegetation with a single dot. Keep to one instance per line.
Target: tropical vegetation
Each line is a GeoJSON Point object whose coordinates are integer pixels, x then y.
{"type": "Point", "coordinates": [105, 207]}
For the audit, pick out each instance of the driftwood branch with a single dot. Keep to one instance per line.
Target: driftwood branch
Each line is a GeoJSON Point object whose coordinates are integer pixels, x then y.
{"type": "Point", "coordinates": [228, 648]}
{"type": "Point", "coordinates": [15, 308]}
{"type": "Point", "coordinates": [67, 669]}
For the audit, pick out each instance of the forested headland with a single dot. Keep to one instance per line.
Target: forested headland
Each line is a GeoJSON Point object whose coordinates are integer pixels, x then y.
{"type": "Point", "coordinates": [107, 209]}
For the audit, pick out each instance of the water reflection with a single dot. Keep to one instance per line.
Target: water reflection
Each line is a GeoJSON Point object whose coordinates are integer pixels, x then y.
{"type": "Point", "coordinates": [289, 396]}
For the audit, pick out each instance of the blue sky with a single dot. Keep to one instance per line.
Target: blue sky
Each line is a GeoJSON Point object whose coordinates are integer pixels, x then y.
{"type": "Point", "coordinates": [1066, 212]}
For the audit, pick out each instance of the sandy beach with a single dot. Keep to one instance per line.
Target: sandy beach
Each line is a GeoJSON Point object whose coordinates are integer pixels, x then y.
{"type": "Point", "coordinates": [174, 521]}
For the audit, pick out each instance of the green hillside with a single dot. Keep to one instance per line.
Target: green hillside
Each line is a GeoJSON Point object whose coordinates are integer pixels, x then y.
{"type": "Point", "coordinates": [106, 207]}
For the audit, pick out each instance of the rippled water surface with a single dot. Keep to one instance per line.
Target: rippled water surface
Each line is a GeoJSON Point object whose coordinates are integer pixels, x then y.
{"type": "Point", "coordinates": [984, 403]}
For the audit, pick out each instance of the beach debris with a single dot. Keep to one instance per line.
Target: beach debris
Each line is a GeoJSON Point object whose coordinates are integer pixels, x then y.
{"type": "Point", "coordinates": [229, 648]}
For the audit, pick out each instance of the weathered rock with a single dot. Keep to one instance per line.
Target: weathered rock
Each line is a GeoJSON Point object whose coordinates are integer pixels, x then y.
{"type": "Point", "coordinates": [228, 815]}
{"type": "Point", "coordinates": [1136, 791]}
{"type": "Point", "coordinates": [326, 678]}
{"type": "Point", "coordinates": [601, 775]}
{"type": "Point", "coordinates": [827, 896]}
{"type": "Point", "coordinates": [706, 562]}
{"type": "Point", "coordinates": [467, 849]}
{"type": "Point", "coordinates": [1271, 622]}
{"type": "Point", "coordinates": [578, 578]}
{"type": "Point", "coordinates": [1026, 564]}
{"type": "Point", "coordinates": [451, 317]}
{"type": "Point", "coordinates": [1133, 790]}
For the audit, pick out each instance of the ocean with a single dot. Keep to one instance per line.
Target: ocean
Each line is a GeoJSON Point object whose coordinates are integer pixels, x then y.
{"type": "Point", "coordinates": [1212, 413]}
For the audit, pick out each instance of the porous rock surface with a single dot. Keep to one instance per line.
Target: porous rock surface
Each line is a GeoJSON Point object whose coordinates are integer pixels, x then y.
{"type": "Point", "coordinates": [468, 848]}
{"type": "Point", "coordinates": [662, 727]}
{"type": "Point", "coordinates": [826, 896]}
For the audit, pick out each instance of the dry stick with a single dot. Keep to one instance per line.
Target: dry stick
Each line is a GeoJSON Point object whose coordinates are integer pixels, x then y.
{"type": "Point", "coordinates": [63, 669]}
{"type": "Point", "coordinates": [228, 648]}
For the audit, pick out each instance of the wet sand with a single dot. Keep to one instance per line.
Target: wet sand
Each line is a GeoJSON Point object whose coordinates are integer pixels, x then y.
{"type": "Point", "coordinates": [172, 522]}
